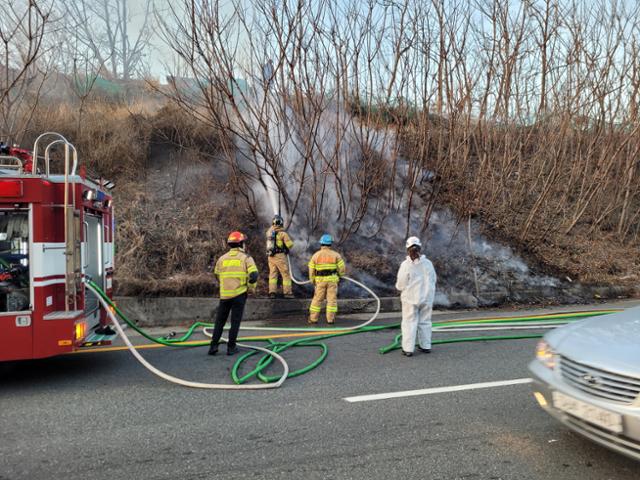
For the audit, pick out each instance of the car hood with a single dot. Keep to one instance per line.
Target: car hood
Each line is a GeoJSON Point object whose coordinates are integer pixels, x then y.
{"type": "Point", "coordinates": [610, 342]}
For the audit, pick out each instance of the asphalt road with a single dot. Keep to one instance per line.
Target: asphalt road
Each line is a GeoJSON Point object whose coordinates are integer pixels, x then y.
{"type": "Point", "coordinates": [100, 415]}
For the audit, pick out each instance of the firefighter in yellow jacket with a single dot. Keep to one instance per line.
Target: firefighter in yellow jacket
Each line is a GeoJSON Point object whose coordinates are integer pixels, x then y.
{"type": "Point", "coordinates": [237, 273]}
{"type": "Point", "coordinates": [278, 245]}
{"type": "Point", "coordinates": [325, 269]}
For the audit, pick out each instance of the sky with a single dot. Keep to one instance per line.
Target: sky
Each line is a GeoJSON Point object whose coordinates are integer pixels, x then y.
{"type": "Point", "coordinates": [160, 53]}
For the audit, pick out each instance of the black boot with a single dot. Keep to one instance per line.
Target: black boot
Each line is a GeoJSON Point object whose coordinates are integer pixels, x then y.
{"type": "Point", "coordinates": [106, 330]}
{"type": "Point", "coordinates": [232, 350]}
{"type": "Point", "coordinates": [213, 349]}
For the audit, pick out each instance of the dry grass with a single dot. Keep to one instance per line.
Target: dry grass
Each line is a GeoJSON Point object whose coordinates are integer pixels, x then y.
{"type": "Point", "coordinates": [175, 204]}
{"type": "Point", "coordinates": [536, 200]}
{"type": "Point", "coordinates": [168, 231]}
{"type": "Point", "coordinates": [111, 139]}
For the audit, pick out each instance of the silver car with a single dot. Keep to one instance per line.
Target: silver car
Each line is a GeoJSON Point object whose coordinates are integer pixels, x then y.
{"type": "Point", "coordinates": [587, 375]}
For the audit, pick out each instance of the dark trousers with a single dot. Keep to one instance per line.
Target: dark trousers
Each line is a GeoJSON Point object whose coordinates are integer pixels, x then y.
{"type": "Point", "coordinates": [234, 305]}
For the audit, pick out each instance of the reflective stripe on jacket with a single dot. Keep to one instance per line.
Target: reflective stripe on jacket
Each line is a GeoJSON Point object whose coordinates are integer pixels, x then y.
{"type": "Point", "coordinates": [326, 265]}
{"type": "Point", "coordinates": [234, 269]}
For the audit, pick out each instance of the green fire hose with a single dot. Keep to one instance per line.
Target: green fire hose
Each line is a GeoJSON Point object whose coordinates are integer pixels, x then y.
{"type": "Point", "coordinates": [316, 342]}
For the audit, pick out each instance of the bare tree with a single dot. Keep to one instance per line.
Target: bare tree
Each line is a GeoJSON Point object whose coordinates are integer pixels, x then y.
{"type": "Point", "coordinates": [105, 28]}
{"type": "Point", "coordinates": [524, 113]}
{"type": "Point", "coordinates": [81, 82]}
{"type": "Point", "coordinates": [24, 65]}
{"type": "Point", "coordinates": [283, 81]}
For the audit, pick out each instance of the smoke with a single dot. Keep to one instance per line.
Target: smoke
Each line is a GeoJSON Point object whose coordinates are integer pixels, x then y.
{"type": "Point", "coordinates": [472, 270]}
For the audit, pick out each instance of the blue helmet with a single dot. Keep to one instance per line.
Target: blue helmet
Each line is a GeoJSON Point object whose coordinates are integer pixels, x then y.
{"type": "Point", "coordinates": [326, 239]}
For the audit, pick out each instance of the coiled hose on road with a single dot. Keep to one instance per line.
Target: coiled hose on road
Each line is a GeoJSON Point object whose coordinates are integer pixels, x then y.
{"type": "Point", "coordinates": [110, 307]}
{"type": "Point", "coordinates": [270, 353]}
{"type": "Point", "coordinates": [313, 340]}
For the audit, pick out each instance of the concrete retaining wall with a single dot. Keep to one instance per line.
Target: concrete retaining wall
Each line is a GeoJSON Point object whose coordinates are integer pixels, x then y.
{"type": "Point", "coordinates": [165, 311]}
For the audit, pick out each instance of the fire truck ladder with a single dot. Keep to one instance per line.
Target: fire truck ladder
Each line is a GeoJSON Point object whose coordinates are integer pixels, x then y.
{"type": "Point", "coordinates": [73, 274]}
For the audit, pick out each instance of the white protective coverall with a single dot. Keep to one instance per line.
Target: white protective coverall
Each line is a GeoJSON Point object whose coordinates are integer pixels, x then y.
{"type": "Point", "coordinates": [417, 284]}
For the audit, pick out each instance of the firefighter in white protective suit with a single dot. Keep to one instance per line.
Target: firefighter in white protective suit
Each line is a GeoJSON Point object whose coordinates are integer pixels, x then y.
{"type": "Point", "coordinates": [417, 284]}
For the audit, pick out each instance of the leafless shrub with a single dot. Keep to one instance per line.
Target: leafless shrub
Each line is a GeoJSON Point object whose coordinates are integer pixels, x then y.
{"type": "Point", "coordinates": [104, 31]}
{"type": "Point", "coordinates": [24, 63]}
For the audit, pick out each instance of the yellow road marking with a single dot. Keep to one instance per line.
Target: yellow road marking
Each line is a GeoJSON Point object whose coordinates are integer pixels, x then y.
{"type": "Point", "coordinates": [115, 349]}
{"type": "Point", "coordinates": [336, 330]}
{"type": "Point", "coordinates": [196, 342]}
{"type": "Point", "coordinates": [539, 316]}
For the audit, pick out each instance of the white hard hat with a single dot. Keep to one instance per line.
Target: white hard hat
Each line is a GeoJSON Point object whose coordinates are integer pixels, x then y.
{"type": "Point", "coordinates": [413, 241]}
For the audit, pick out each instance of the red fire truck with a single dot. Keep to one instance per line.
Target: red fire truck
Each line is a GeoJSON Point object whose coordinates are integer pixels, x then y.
{"type": "Point", "coordinates": [56, 229]}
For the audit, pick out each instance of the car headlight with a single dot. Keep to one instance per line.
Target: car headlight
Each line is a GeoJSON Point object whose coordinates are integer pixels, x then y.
{"type": "Point", "coordinates": [545, 354]}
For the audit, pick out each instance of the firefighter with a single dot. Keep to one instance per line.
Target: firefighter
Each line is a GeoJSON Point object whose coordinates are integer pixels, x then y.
{"type": "Point", "coordinates": [417, 284]}
{"type": "Point", "coordinates": [325, 269]}
{"type": "Point", "coordinates": [278, 245]}
{"type": "Point", "coordinates": [237, 273]}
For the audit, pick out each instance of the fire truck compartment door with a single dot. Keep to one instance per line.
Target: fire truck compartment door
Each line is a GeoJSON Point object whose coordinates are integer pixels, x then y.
{"type": "Point", "coordinates": [92, 263]}
{"type": "Point", "coordinates": [16, 339]}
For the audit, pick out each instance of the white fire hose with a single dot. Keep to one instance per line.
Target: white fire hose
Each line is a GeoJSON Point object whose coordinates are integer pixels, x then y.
{"type": "Point", "coordinates": [208, 330]}
{"type": "Point", "coordinates": [188, 383]}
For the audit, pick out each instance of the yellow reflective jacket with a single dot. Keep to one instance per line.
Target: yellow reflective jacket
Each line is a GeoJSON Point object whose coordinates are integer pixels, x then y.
{"type": "Point", "coordinates": [326, 265]}
{"type": "Point", "coordinates": [236, 271]}
{"type": "Point", "coordinates": [283, 241]}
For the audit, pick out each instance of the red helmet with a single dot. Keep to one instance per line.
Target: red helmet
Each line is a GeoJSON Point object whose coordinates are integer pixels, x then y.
{"type": "Point", "coordinates": [236, 237]}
